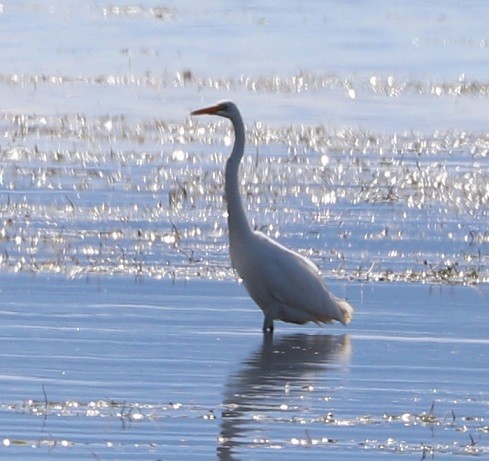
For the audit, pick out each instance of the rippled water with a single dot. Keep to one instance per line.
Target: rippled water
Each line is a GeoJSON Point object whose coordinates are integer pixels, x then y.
{"type": "Point", "coordinates": [125, 333]}
{"type": "Point", "coordinates": [397, 207]}
{"type": "Point", "coordinates": [108, 368]}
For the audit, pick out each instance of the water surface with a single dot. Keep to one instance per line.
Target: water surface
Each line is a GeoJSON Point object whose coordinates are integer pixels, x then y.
{"type": "Point", "coordinates": [125, 334]}
{"type": "Point", "coordinates": [123, 369]}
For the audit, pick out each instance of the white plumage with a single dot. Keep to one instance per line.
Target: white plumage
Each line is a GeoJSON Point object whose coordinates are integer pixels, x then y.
{"type": "Point", "coordinates": [285, 285]}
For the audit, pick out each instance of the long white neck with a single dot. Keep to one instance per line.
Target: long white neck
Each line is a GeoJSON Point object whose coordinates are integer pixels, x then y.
{"type": "Point", "coordinates": [237, 221]}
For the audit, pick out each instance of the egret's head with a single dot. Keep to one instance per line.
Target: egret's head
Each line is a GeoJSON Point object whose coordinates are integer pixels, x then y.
{"type": "Point", "coordinates": [224, 108]}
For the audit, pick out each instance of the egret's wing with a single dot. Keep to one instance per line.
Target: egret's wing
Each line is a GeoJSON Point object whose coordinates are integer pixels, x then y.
{"type": "Point", "coordinates": [296, 288]}
{"type": "Point", "coordinates": [293, 280]}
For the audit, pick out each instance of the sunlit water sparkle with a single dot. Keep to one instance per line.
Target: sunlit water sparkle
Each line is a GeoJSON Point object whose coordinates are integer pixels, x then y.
{"type": "Point", "coordinates": [109, 209]}
{"type": "Point", "coordinates": [124, 332]}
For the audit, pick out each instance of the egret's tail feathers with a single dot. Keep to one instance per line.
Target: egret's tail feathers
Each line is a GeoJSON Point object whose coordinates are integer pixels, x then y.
{"type": "Point", "coordinates": [345, 309]}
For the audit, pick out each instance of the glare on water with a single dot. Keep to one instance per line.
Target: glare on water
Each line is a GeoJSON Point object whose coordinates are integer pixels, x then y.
{"type": "Point", "coordinates": [360, 195]}
{"type": "Point", "coordinates": [125, 333]}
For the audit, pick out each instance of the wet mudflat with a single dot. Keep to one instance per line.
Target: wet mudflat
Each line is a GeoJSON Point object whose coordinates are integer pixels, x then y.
{"type": "Point", "coordinates": [124, 333]}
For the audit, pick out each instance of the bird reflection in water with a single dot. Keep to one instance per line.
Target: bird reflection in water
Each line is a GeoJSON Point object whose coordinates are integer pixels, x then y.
{"type": "Point", "coordinates": [260, 386]}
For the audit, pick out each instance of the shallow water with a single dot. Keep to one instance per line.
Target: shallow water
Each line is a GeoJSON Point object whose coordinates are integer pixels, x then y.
{"type": "Point", "coordinates": [123, 369]}
{"type": "Point", "coordinates": [124, 332]}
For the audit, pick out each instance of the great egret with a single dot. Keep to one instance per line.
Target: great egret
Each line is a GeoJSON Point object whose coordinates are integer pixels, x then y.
{"type": "Point", "coordinates": [284, 284]}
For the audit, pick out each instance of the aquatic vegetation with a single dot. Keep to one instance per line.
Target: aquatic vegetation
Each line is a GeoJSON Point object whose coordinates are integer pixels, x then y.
{"type": "Point", "coordinates": [368, 153]}
{"type": "Point", "coordinates": [301, 82]}
{"type": "Point", "coordinates": [317, 431]}
{"type": "Point", "coordinates": [139, 11]}
{"type": "Point", "coordinates": [109, 195]}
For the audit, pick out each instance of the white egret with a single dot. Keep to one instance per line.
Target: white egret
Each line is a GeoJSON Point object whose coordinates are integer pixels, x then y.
{"type": "Point", "coordinates": [284, 284]}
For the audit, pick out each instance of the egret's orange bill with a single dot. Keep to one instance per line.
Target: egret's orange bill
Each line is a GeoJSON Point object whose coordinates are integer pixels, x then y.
{"type": "Point", "coordinates": [206, 110]}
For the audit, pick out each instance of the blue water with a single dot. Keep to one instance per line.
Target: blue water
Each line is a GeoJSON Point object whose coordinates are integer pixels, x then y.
{"type": "Point", "coordinates": [125, 334]}
{"type": "Point", "coordinates": [118, 368]}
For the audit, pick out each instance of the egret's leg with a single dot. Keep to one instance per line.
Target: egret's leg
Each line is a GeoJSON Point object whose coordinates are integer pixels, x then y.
{"type": "Point", "coordinates": [268, 324]}
{"type": "Point", "coordinates": [270, 313]}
